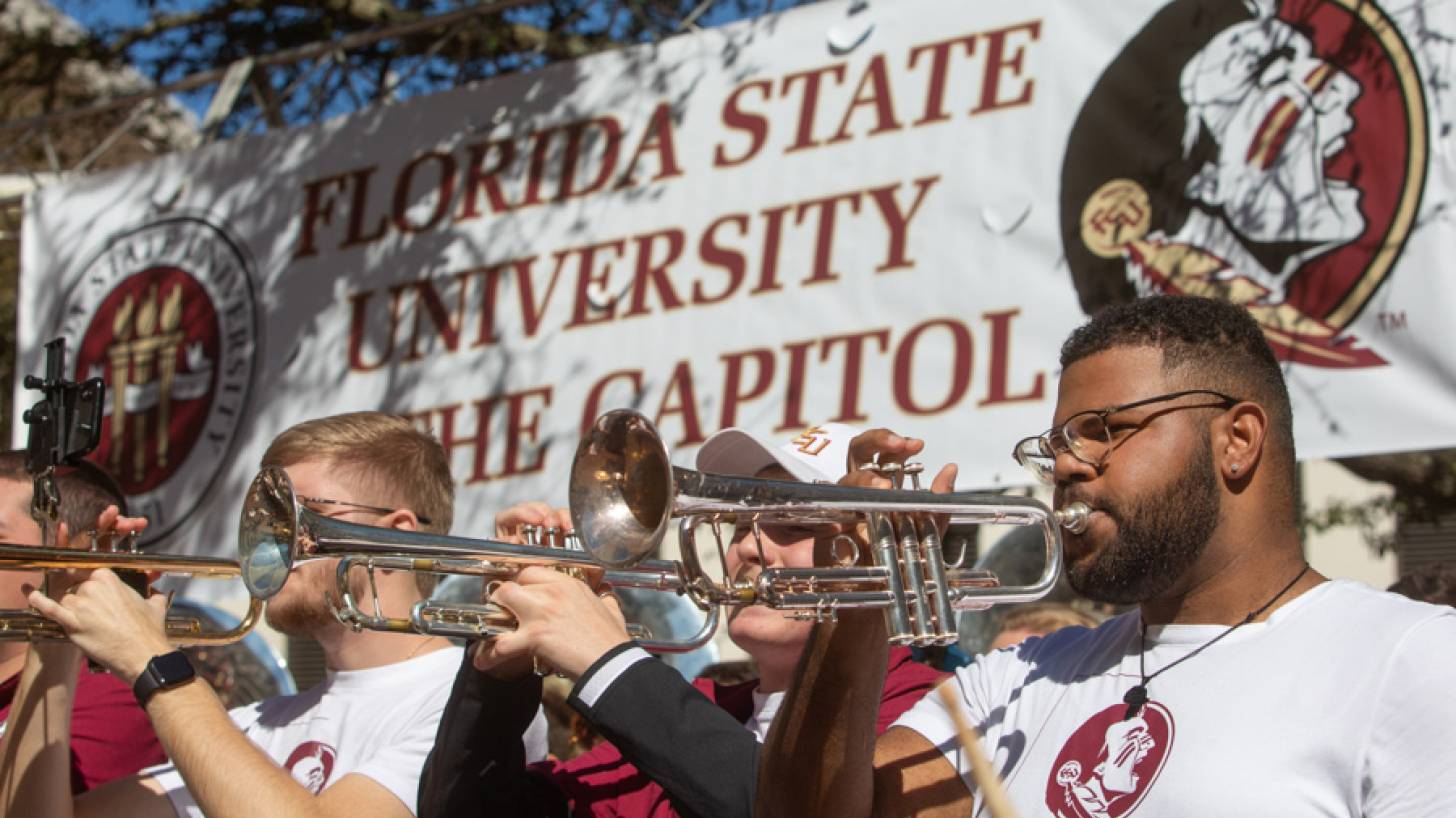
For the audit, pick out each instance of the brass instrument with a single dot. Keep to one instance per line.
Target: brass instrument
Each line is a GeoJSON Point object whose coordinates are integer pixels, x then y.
{"type": "Point", "coordinates": [276, 532]}
{"type": "Point", "coordinates": [27, 626]}
{"type": "Point", "coordinates": [625, 491]}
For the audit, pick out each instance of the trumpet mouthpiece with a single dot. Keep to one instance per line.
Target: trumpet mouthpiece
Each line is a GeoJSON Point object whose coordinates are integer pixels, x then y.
{"type": "Point", "coordinates": [1074, 517]}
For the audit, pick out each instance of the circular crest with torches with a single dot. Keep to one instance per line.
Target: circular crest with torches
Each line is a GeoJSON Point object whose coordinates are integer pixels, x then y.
{"type": "Point", "coordinates": [165, 314]}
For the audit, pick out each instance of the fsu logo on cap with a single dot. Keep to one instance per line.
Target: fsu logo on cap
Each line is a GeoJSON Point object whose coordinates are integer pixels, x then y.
{"type": "Point", "coordinates": [165, 314]}
{"type": "Point", "coordinates": [811, 441]}
{"type": "Point", "coordinates": [1271, 153]}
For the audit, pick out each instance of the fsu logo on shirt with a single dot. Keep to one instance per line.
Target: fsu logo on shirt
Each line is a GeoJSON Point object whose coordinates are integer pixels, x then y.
{"type": "Point", "coordinates": [1108, 765]}
{"type": "Point", "coordinates": [165, 314]}
{"type": "Point", "coordinates": [310, 764]}
{"type": "Point", "coordinates": [1272, 153]}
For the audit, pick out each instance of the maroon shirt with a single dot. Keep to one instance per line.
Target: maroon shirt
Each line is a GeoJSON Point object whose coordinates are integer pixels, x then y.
{"type": "Point", "coordinates": [601, 784]}
{"type": "Point", "coordinates": [111, 736]}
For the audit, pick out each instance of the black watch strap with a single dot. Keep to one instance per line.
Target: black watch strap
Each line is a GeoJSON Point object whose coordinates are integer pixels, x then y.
{"type": "Point", "coordinates": [162, 672]}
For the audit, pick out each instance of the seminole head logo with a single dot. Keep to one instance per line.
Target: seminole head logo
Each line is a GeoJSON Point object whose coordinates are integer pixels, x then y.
{"type": "Point", "coordinates": [164, 313]}
{"type": "Point", "coordinates": [311, 763]}
{"type": "Point", "coordinates": [1271, 153]}
{"type": "Point", "coordinates": [1109, 764]}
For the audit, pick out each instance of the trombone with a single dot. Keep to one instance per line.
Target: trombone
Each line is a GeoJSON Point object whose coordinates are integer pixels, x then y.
{"type": "Point", "coordinates": [276, 532]}
{"type": "Point", "coordinates": [25, 626]}
{"type": "Point", "coordinates": [625, 492]}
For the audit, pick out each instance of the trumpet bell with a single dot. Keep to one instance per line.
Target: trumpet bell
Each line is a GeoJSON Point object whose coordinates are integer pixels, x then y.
{"type": "Point", "coordinates": [625, 492]}
{"type": "Point", "coordinates": [267, 532]}
{"type": "Point", "coordinates": [621, 491]}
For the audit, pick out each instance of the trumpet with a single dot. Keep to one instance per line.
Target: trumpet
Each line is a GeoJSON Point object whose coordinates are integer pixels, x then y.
{"type": "Point", "coordinates": [276, 532]}
{"type": "Point", "coordinates": [26, 626]}
{"type": "Point", "coordinates": [625, 492]}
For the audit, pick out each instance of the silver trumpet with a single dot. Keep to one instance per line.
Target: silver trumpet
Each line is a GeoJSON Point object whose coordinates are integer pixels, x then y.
{"type": "Point", "coordinates": [276, 532]}
{"type": "Point", "coordinates": [624, 492]}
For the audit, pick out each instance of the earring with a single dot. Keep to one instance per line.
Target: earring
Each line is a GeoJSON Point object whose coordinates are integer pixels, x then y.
{"type": "Point", "coordinates": [1234, 468]}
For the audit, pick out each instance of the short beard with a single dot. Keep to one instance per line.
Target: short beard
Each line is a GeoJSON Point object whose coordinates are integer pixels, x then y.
{"type": "Point", "coordinates": [1160, 536]}
{"type": "Point", "coordinates": [298, 617]}
{"type": "Point", "coordinates": [305, 612]}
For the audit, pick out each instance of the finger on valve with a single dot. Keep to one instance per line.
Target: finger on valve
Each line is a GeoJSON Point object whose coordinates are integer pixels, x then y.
{"type": "Point", "coordinates": [559, 524]}
{"type": "Point", "coordinates": [510, 522]}
{"type": "Point", "coordinates": [881, 446]}
{"type": "Point", "coordinates": [944, 483]}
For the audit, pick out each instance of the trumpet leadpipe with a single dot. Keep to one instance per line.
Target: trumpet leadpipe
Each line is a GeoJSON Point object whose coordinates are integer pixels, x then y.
{"type": "Point", "coordinates": [31, 558]}
{"type": "Point", "coordinates": [28, 626]}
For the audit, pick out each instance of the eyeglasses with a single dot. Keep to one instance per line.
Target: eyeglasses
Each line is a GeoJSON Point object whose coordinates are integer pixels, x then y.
{"type": "Point", "coordinates": [319, 501]}
{"type": "Point", "coordinates": [1088, 437]}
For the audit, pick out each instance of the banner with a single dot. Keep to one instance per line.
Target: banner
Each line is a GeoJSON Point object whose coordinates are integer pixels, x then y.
{"type": "Point", "coordinates": [885, 216]}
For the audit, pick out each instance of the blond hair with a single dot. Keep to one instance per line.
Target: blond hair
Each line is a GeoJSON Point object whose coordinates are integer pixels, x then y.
{"type": "Point", "coordinates": [391, 463]}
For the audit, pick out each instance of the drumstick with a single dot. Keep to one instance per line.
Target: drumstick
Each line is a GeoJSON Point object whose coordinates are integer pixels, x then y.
{"type": "Point", "coordinates": [992, 793]}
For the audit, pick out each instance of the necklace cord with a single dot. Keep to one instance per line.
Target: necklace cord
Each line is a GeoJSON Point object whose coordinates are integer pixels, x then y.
{"type": "Point", "coordinates": [1138, 696]}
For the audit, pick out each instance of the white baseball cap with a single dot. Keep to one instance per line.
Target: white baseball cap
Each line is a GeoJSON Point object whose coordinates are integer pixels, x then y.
{"type": "Point", "coordinates": [817, 454]}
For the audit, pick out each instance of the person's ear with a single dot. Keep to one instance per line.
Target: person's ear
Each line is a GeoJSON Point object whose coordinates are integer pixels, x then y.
{"type": "Point", "coordinates": [402, 519]}
{"type": "Point", "coordinates": [1238, 438]}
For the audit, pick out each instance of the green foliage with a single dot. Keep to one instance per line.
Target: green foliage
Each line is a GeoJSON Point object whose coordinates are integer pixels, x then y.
{"type": "Point", "coordinates": [180, 39]}
{"type": "Point", "coordinates": [1371, 518]}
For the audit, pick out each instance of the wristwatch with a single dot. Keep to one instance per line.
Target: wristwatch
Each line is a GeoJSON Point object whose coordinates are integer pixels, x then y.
{"type": "Point", "coordinates": [162, 673]}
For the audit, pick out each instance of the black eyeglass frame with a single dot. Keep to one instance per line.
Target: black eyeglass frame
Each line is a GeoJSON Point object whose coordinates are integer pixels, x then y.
{"type": "Point", "coordinates": [1054, 450]}
{"type": "Point", "coordinates": [360, 506]}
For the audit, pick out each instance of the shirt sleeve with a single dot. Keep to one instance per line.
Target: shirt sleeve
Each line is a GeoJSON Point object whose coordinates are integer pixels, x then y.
{"type": "Point", "coordinates": [111, 736]}
{"type": "Point", "coordinates": [929, 717]}
{"type": "Point", "coordinates": [1410, 753]}
{"type": "Point", "coordinates": [906, 683]}
{"type": "Point", "coordinates": [605, 671]}
{"type": "Point", "coordinates": [695, 750]}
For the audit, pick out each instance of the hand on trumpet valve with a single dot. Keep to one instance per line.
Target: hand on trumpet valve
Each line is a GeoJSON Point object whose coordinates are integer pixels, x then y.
{"type": "Point", "coordinates": [111, 528]}
{"type": "Point", "coordinates": [563, 625]}
{"type": "Point", "coordinates": [880, 459]}
{"type": "Point", "coordinates": [533, 523]}
{"type": "Point", "coordinates": [110, 622]}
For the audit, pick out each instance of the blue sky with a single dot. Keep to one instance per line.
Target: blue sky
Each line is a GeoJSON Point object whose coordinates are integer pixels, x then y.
{"type": "Point", "coordinates": [100, 15]}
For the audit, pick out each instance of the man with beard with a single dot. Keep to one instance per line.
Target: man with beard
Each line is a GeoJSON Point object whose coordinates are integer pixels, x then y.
{"type": "Point", "coordinates": [1243, 684]}
{"type": "Point", "coordinates": [353, 745]}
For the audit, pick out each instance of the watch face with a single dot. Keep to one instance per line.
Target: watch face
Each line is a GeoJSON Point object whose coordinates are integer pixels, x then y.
{"type": "Point", "coordinates": [172, 668]}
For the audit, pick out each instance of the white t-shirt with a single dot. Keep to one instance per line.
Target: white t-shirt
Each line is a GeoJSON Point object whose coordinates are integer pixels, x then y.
{"type": "Point", "coordinates": [378, 722]}
{"type": "Point", "coordinates": [765, 707]}
{"type": "Point", "coordinates": [1342, 703]}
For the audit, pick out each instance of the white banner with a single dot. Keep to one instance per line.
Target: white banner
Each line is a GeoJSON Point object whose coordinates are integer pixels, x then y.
{"type": "Point", "coordinates": [885, 217]}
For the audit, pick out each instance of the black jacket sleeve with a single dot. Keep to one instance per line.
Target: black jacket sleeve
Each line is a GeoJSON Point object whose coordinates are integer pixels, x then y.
{"type": "Point", "coordinates": [478, 765]}
{"type": "Point", "coordinates": [703, 757]}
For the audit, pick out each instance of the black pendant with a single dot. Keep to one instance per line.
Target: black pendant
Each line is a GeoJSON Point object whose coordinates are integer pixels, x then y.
{"type": "Point", "coordinates": [1135, 698]}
